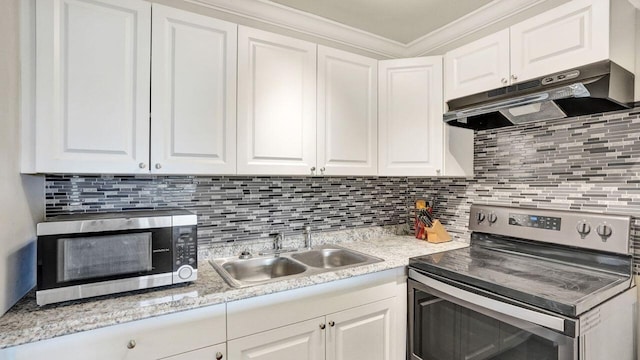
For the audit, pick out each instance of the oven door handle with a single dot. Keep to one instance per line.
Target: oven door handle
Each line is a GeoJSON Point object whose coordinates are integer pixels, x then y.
{"type": "Point", "coordinates": [538, 318]}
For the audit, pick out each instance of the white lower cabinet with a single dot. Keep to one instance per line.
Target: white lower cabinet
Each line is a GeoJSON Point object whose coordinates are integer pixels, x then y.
{"type": "Point", "coordinates": [363, 332]}
{"type": "Point", "coordinates": [300, 341]}
{"type": "Point", "coordinates": [363, 317]}
{"type": "Point", "coordinates": [188, 335]}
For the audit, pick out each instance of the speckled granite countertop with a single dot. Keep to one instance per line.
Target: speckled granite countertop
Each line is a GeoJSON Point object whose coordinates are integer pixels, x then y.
{"type": "Point", "coordinates": [26, 322]}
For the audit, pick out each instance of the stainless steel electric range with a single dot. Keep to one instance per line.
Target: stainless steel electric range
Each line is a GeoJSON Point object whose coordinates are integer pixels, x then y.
{"type": "Point", "coordinates": [534, 284]}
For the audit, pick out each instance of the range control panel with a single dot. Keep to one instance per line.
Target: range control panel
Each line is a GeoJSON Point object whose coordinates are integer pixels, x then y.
{"type": "Point", "coordinates": [535, 221]}
{"type": "Point", "coordinates": [597, 231]}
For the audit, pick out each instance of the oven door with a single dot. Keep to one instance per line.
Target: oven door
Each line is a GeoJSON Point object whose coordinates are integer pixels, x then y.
{"type": "Point", "coordinates": [447, 322]}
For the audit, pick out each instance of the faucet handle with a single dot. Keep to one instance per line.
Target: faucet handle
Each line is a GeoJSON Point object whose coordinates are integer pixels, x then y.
{"type": "Point", "coordinates": [277, 241]}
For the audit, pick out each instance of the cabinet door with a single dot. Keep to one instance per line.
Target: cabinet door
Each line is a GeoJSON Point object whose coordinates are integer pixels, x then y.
{"type": "Point", "coordinates": [301, 341]}
{"type": "Point", "coordinates": [347, 113]}
{"type": "Point", "coordinates": [364, 332]}
{"type": "Point", "coordinates": [276, 104]}
{"type": "Point", "coordinates": [193, 105]}
{"type": "Point", "coordinates": [479, 66]}
{"type": "Point", "coordinates": [209, 353]}
{"type": "Point", "coordinates": [411, 128]}
{"type": "Point", "coordinates": [570, 35]}
{"type": "Point", "coordinates": [92, 86]}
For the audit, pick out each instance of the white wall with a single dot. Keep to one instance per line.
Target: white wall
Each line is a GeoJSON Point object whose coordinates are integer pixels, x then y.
{"type": "Point", "coordinates": [21, 197]}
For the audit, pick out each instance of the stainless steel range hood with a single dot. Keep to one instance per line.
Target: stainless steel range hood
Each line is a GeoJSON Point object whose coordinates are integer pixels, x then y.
{"type": "Point", "coordinates": [594, 88]}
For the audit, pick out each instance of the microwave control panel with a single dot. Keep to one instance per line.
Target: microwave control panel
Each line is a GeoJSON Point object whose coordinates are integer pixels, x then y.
{"type": "Point", "coordinates": [185, 251]}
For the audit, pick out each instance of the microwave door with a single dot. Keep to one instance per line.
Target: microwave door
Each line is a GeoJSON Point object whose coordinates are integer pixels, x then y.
{"type": "Point", "coordinates": [81, 258]}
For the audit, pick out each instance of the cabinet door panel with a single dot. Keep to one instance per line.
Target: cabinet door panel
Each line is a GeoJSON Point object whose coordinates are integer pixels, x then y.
{"type": "Point", "coordinates": [411, 128]}
{"type": "Point", "coordinates": [301, 341]}
{"type": "Point", "coordinates": [92, 86]}
{"type": "Point", "coordinates": [570, 35]}
{"type": "Point", "coordinates": [347, 113]}
{"type": "Point", "coordinates": [479, 66]}
{"type": "Point", "coordinates": [276, 104]}
{"type": "Point", "coordinates": [193, 93]}
{"type": "Point", "coordinates": [361, 333]}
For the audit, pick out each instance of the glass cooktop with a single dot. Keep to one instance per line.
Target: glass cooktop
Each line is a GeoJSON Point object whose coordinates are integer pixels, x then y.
{"type": "Point", "coordinates": [565, 281]}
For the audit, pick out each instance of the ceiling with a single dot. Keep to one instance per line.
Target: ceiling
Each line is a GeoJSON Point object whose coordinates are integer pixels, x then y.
{"type": "Point", "coordinates": [399, 20]}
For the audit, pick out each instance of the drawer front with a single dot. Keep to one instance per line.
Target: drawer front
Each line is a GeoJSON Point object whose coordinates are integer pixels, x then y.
{"type": "Point", "coordinates": [153, 338]}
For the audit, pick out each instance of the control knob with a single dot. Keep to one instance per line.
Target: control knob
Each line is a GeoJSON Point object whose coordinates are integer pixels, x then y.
{"type": "Point", "coordinates": [583, 229]}
{"type": "Point", "coordinates": [492, 218]}
{"type": "Point", "coordinates": [185, 272]}
{"type": "Point", "coordinates": [604, 231]}
{"type": "Point", "coordinates": [480, 216]}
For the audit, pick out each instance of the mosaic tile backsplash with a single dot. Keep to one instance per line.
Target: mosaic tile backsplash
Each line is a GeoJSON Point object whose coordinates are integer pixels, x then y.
{"type": "Point", "coordinates": [585, 163]}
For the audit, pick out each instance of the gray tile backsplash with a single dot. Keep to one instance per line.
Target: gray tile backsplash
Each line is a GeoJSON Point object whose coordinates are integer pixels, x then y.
{"type": "Point", "coordinates": [239, 208]}
{"type": "Point", "coordinates": [585, 163]}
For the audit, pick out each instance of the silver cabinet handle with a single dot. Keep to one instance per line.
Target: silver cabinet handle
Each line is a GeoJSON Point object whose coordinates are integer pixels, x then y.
{"type": "Point", "coordinates": [332, 324]}
{"type": "Point", "coordinates": [438, 171]}
{"type": "Point", "coordinates": [158, 166]}
{"type": "Point", "coordinates": [504, 81]}
{"type": "Point", "coordinates": [142, 165]}
{"type": "Point", "coordinates": [514, 77]}
{"type": "Point", "coordinates": [322, 326]}
{"type": "Point", "coordinates": [322, 170]}
{"type": "Point", "coordinates": [131, 344]}
{"type": "Point", "coordinates": [313, 168]}
{"type": "Point", "coordinates": [219, 355]}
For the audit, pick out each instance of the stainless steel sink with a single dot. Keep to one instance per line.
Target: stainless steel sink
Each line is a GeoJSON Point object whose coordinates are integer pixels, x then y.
{"type": "Point", "coordinates": [260, 270]}
{"type": "Point", "coordinates": [330, 258]}
{"type": "Point", "coordinates": [256, 270]}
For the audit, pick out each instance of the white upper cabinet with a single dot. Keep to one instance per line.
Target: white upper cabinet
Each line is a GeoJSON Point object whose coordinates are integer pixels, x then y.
{"type": "Point", "coordinates": [347, 113]}
{"type": "Point", "coordinates": [410, 118]}
{"type": "Point", "coordinates": [193, 104]}
{"type": "Point", "coordinates": [478, 66]}
{"type": "Point", "coordinates": [92, 86]}
{"type": "Point", "coordinates": [276, 104]}
{"type": "Point", "coordinates": [577, 33]}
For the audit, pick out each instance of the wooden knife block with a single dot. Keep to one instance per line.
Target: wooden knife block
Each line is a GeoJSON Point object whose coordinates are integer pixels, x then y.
{"type": "Point", "coordinates": [437, 233]}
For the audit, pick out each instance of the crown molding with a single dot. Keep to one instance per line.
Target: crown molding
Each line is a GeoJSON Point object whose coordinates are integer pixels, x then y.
{"type": "Point", "coordinates": [306, 23]}
{"type": "Point", "coordinates": [479, 19]}
{"type": "Point", "coordinates": [292, 19]}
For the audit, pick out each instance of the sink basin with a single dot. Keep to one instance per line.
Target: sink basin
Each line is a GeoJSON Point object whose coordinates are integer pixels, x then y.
{"type": "Point", "coordinates": [260, 270]}
{"type": "Point", "coordinates": [329, 258]}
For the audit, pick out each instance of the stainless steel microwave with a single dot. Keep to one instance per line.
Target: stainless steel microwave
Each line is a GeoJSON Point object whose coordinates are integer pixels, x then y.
{"type": "Point", "coordinates": [82, 256]}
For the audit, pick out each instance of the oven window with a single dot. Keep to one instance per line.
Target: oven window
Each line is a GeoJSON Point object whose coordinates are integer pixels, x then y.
{"type": "Point", "coordinates": [446, 331]}
{"type": "Point", "coordinates": [100, 256]}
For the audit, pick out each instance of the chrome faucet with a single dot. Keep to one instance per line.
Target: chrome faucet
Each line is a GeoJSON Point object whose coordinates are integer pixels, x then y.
{"type": "Point", "coordinates": [277, 242]}
{"type": "Point", "coordinates": [307, 238]}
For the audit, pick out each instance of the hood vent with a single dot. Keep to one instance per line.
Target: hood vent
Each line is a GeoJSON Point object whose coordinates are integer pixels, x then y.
{"type": "Point", "coordinates": [595, 88]}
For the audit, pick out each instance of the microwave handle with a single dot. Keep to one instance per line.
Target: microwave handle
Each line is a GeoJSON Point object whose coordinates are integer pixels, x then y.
{"type": "Point", "coordinates": [479, 301]}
